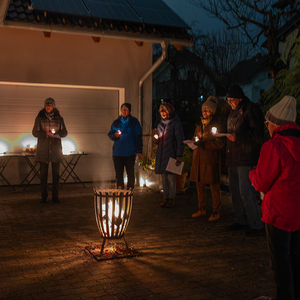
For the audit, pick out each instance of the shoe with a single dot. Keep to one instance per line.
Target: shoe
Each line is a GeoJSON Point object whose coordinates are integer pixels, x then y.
{"type": "Point", "coordinates": [170, 203]}
{"type": "Point", "coordinates": [255, 232]}
{"type": "Point", "coordinates": [199, 213]}
{"type": "Point", "coordinates": [56, 200]}
{"type": "Point", "coordinates": [214, 217]}
{"type": "Point", "coordinates": [44, 200]}
{"type": "Point", "coordinates": [164, 203]}
{"type": "Point", "coordinates": [237, 226]}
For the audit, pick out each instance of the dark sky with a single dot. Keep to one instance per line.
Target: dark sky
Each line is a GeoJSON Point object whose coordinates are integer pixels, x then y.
{"type": "Point", "coordinates": [194, 16]}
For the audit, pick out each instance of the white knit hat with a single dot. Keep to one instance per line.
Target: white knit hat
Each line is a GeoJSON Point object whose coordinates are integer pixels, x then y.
{"type": "Point", "coordinates": [283, 112]}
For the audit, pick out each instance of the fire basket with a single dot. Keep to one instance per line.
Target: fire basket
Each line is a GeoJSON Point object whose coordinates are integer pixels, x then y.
{"type": "Point", "coordinates": [112, 210]}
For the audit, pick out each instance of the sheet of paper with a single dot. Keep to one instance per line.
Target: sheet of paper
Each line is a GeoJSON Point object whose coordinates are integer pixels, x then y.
{"type": "Point", "coordinates": [191, 144]}
{"type": "Point", "coordinates": [171, 167]}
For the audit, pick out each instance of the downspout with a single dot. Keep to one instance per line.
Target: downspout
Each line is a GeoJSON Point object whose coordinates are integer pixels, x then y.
{"type": "Point", "coordinates": [3, 10]}
{"type": "Point", "coordinates": [164, 46]}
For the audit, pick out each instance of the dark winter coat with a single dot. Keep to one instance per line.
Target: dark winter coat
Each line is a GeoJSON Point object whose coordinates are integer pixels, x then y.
{"type": "Point", "coordinates": [170, 142]}
{"type": "Point", "coordinates": [206, 166]}
{"type": "Point", "coordinates": [277, 175]}
{"type": "Point", "coordinates": [247, 122]}
{"type": "Point", "coordinates": [49, 149]}
{"type": "Point", "coordinates": [130, 142]}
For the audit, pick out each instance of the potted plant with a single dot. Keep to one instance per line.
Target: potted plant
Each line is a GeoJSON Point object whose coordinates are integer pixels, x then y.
{"type": "Point", "coordinates": [187, 158]}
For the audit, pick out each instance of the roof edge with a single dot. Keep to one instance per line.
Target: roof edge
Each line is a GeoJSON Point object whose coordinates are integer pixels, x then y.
{"type": "Point", "coordinates": [95, 33]}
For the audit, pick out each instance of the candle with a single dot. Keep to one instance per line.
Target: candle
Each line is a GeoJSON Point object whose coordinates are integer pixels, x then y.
{"type": "Point", "coordinates": [119, 132]}
{"type": "Point", "coordinates": [156, 136]}
{"type": "Point", "coordinates": [196, 139]}
{"type": "Point", "coordinates": [53, 130]}
{"type": "Point", "coordinates": [214, 130]}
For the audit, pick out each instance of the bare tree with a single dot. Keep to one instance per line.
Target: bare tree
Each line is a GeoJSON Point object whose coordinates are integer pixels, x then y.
{"type": "Point", "coordinates": [254, 18]}
{"type": "Point", "coordinates": [222, 50]}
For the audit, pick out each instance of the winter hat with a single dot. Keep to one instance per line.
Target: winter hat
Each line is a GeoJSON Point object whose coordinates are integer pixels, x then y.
{"type": "Point", "coordinates": [50, 100]}
{"type": "Point", "coordinates": [235, 91]}
{"type": "Point", "coordinates": [128, 105]}
{"type": "Point", "coordinates": [283, 112]}
{"type": "Point", "coordinates": [168, 107]}
{"type": "Point", "coordinates": [211, 103]}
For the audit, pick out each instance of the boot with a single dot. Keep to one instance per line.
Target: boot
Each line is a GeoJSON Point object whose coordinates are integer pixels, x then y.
{"type": "Point", "coordinates": [199, 213]}
{"type": "Point", "coordinates": [171, 203]}
{"type": "Point", "coordinates": [164, 203]}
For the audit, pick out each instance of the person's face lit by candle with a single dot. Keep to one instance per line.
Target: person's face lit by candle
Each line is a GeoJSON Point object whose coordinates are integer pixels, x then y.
{"type": "Point", "coordinates": [49, 107]}
{"type": "Point", "coordinates": [125, 111]}
{"type": "Point", "coordinates": [206, 113]}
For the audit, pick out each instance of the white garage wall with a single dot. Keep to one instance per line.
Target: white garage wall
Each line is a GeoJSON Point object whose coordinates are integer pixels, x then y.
{"type": "Point", "coordinates": [87, 111]}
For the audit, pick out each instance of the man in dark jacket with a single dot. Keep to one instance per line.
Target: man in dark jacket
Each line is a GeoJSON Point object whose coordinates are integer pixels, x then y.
{"type": "Point", "coordinates": [245, 126]}
{"type": "Point", "coordinates": [126, 132]}
{"type": "Point", "coordinates": [49, 128]}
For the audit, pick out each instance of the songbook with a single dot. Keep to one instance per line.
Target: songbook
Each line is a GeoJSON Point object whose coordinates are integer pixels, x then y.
{"type": "Point", "coordinates": [191, 144]}
{"type": "Point", "coordinates": [173, 168]}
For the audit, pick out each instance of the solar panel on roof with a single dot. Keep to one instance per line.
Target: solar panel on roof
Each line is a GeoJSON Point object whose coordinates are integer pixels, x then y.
{"type": "Point", "coordinates": [74, 7]}
{"type": "Point", "coordinates": [157, 12]}
{"type": "Point", "coordinates": [112, 9]}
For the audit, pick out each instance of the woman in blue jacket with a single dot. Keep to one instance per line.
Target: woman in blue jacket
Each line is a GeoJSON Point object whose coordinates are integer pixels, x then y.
{"type": "Point", "coordinates": [170, 138]}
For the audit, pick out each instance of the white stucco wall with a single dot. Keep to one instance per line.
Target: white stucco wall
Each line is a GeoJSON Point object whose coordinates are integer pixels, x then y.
{"type": "Point", "coordinates": [28, 57]}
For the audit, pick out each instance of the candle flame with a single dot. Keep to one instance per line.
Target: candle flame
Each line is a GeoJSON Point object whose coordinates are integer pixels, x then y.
{"type": "Point", "coordinates": [214, 130]}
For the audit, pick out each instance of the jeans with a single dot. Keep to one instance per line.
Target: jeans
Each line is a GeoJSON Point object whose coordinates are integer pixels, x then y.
{"type": "Point", "coordinates": [215, 193]}
{"type": "Point", "coordinates": [169, 184]}
{"type": "Point", "coordinates": [243, 197]}
{"type": "Point", "coordinates": [284, 251]}
{"type": "Point", "coordinates": [128, 162]}
{"type": "Point", "coordinates": [44, 179]}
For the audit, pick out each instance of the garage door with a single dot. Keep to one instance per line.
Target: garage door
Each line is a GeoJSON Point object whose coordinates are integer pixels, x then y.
{"type": "Point", "coordinates": [87, 111]}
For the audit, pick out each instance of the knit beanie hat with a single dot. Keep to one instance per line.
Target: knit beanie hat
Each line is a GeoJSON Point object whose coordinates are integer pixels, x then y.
{"type": "Point", "coordinates": [50, 100]}
{"type": "Point", "coordinates": [284, 112]}
{"type": "Point", "coordinates": [168, 107]}
{"type": "Point", "coordinates": [211, 103]}
{"type": "Point", "coordinates": [235, 91]}
{"type": "Point", "coordinates": [128, 105]}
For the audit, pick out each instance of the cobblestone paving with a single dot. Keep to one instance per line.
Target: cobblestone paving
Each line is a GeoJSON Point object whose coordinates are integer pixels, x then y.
{"type": "Point", "coordinates": [43, 256]}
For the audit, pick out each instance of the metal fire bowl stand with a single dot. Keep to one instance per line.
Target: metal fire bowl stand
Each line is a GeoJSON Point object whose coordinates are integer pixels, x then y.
{"type": "Point", "coordinates": [112, 210]}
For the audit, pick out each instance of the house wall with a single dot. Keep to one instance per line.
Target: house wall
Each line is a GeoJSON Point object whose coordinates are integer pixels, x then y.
{"type": "Point", "coordinates": [260, 82]}
{"type": "Point", "coordinates": [286, 46]}
{"type": "Point", "coordinates": [73, 63]}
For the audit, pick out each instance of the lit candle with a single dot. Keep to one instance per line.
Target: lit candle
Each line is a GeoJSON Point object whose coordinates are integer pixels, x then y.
{"type": "Point", "coordinates": [119, 132]}
{"type": "Point", "coordinates": [214, 130]}
{"type": "Point", "coordinates": [196, 139]}
{"type": "Point", "coordinates": [53, 130]}
{"type": "Point", "coordinates": [156, 136]}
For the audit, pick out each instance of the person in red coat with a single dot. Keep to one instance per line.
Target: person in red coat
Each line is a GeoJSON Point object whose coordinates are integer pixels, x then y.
{"type": "Point", "coordinates": [277, 175]}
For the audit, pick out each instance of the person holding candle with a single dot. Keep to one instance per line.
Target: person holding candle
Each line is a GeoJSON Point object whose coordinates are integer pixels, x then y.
{"type": "Point", "coordinates": [245, 128]}
{"type": "Point", "coordinates": [277, 175]}
{"type": "Point", "coordinates": [49, 128]}
{"type": "Point", "coordinates": [206, 166]}
{"type": "Point", "coordinates": [126, 132]}
{"type": "Point", "coordinates": [169, 138]}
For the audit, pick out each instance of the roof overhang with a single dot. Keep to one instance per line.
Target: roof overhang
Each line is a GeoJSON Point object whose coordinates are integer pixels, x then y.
{"type": "Point", "coordinates": [93, 32]}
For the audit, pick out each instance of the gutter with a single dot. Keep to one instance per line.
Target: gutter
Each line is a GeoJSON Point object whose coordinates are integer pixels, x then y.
{"type": "Point", "coordinates": [65, 29]}
{"type": "Point", "coordinates": [3, 10]}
